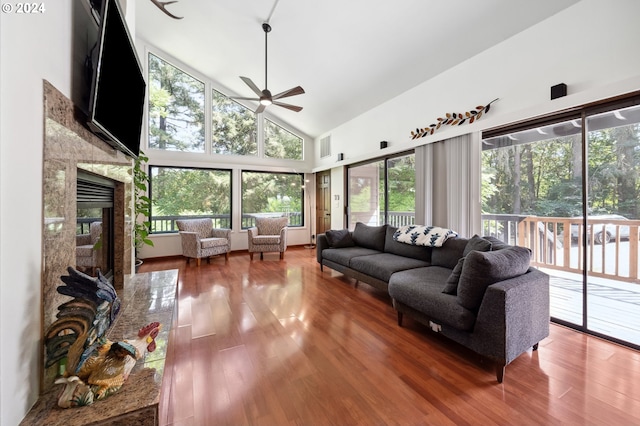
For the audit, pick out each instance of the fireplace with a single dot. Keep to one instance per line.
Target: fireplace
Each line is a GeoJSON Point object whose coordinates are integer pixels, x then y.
{"type": "Point", "coordinates": [72, 156]}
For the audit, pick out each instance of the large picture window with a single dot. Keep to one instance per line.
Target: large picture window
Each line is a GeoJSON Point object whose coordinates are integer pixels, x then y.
{"type": "Point", "coordinates": [176, 108]}
{"type": "Point", "coordinates": [273, 195]}
{"type": "Point", "coordinates": [182, 193]}
{"type": "Point", "coordinates": [234, 128]}
{"type": "Point", "coordinates": [281, 143]}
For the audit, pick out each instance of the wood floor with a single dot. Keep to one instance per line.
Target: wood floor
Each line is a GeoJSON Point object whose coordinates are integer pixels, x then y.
{"type": "Point", "coordinates": [277, 342]}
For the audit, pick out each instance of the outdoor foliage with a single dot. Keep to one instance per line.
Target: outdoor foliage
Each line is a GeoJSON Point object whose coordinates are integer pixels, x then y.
{"type": "Point", "coordinates": [183, 191]}
{"type": "Point", "coordinates": [544, 178]}
{"type": "Point", "coordinates": [234, 128]}
{"type": "Point", "coordinates": [264, 192]}
{"type": "Point", "coordinates": [176, 108]}
{"type": "Point", "coordinates": [280, 143]}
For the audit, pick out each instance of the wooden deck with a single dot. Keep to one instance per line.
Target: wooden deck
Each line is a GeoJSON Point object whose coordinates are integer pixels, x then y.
{"type": "Point", "coordinates": [613, 307]}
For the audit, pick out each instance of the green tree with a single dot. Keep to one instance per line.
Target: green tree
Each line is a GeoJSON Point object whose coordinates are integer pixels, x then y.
{"type": "Point", "coordinates": [234, 128]}
{"type": "Point", "coordinates": [176, 108]}
{"type": "Point", "coordinates": [281, 143]}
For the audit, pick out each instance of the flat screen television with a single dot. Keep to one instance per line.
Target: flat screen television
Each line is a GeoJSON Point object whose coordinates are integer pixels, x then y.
{"type": "Point", "coordinates": [117, 87]}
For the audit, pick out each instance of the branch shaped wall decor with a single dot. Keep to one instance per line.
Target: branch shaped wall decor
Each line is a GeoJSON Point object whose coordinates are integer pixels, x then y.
{"type": "Point", "coordinates": [453, 119]}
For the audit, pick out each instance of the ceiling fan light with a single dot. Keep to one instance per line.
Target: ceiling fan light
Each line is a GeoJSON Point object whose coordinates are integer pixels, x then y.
{"type": "Point", "coordinates": [265, 102]}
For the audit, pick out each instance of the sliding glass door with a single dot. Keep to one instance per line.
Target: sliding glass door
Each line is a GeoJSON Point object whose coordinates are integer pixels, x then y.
{"type": "Point", "coordinates": [382, 191]}
{"type": "Point", "coordinates": [611, 231]}
{"type": "Point", "coordinates": [569, 189]}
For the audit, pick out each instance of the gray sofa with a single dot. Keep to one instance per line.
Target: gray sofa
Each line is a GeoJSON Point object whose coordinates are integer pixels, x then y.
{"type": "Point", "coordinates": [479, 292]}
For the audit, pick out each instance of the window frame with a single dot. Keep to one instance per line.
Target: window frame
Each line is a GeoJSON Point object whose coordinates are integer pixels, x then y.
{"type": "Point", "coordinates": [173, 227]}
{"type": "Point", "coordinates": [302, 195]}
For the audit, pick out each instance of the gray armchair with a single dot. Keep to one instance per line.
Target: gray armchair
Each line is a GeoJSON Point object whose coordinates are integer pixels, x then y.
{"type": "Point", "coordinates": [200, 239]}
{"type": "Point", "coordinates": [269, 234]}
{"type": "Point", "coordinates": [87, 257]}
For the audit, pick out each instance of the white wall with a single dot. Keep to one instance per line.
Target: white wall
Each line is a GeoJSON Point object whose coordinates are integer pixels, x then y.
{"type": "Point", "coordinates": [591, 46]}
{"type": "Point", "coordinates": [34, 47]}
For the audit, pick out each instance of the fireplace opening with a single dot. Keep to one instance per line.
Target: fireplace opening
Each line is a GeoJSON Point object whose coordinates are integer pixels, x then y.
{"type": "Point", "coordinates": [95, 225]}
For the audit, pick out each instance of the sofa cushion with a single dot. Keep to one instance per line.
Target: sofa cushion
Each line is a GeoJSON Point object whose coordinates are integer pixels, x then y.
{"type": "Point", "coordinates": [381, 266]}
{"type": "Point", "coordinates": [448, 255]}
{"type": "Point", "coordinates": [213, 242]}
{"type": "Point", "coordinates": [343, 256]}
{"type": "Point", "coordinates": [496, 244]}
{"type": "Point", "coordinates": [481, 269]}
{"type": "Point", "coordinates": [406, 250]}
{"type": "Point", "coordinates": [339, 238]}
{"type": "Point", "coordinates": [475, 243]}
{"type": "Point", "coordinates": [371, 237]}
{"type": "Point", "coordinates": [421, 288]}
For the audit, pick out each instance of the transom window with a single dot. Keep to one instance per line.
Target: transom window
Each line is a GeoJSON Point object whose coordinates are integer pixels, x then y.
{"type": "Point", "coordinates": [176, 108]}
{"type": "Point", "coordinates": [177, 120]}
{"type": "Point", "coordinates": [281, 143]}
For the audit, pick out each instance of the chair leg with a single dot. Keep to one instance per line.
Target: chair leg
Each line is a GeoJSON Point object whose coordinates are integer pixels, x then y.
{"type": "Point", "coordinates": [188, 259]}
{"type": "Point", "coordinates": [198, 262]}
{"type": "Point", "coordinates": [281, 255]}
{"type": "Point", "coordinates": [209, 260]}
{"type": "Point", "coordinates": [226, 257]}
{"type": "Point", "coordinates": [400, 318]}
{"type": "Point", "coordinates": [535, 347]}
{"type": "Point", "coordinates": [261, 256]}
{"type": "Point", "coordinates": [251, 255]}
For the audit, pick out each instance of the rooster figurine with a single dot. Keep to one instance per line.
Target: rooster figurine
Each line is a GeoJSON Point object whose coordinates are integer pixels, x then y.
{"type": "Point", "coordinates": [106, 367]}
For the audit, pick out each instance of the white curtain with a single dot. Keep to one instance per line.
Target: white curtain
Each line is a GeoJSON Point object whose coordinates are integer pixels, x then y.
{"type": "Point", "coordinates": [450, 173]}
{"type": "Point", "coordinates": [424, 184]}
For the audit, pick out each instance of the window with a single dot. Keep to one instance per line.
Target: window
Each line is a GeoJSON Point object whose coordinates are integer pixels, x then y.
{"type": "Point", "coordinates": [272, 194]}
{"type": "Point", "coordinates": [176, 108]}
{"type": "Point", "coordinates": [234, 128]}
{"type": "Point", "coordinates": [180, 193]}
{"type": "Point", "coordinates": [383, 191]}
{"type": "Point", "coordinates": [281, 143]}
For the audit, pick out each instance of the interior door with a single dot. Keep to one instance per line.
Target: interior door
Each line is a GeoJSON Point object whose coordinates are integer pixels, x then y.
{"type": "Point", "coordinates": [323, 202]}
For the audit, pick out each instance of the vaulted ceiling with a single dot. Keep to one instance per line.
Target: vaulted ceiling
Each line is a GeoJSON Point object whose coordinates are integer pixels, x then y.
{"type": "Point", "coordinates": [348, 55]}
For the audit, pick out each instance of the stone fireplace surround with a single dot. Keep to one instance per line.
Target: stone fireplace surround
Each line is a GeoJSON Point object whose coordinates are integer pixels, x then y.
{"type": "Point", "coordinates": [69, 146]}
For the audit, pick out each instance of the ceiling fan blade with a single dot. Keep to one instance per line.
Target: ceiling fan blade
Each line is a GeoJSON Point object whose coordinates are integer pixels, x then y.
{"type": "Point", "coordinates": [252, 85]}
{"type": "Point", "coordinates": [289, 106]}
{"type": "Point", "coordinates": [261, 108]}
{"type": "Point", "coordinates": [243, 98]}
{"type": "Point", "coordinates": [291, 92]}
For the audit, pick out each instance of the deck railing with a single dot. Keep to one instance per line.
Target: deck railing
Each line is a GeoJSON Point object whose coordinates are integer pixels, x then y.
{"type": "Point", "coordinates": [552, 245]}
{"type": "Point", "coordinates": [166, 224]}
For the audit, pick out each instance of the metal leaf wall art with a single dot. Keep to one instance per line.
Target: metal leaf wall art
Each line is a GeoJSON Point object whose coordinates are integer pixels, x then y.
{"type": "Point", "coordinates": [453, 119]}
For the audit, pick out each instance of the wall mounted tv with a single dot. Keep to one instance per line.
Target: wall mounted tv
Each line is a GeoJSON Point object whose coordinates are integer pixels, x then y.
{"type": "Point", "coordinates": [118, 86]}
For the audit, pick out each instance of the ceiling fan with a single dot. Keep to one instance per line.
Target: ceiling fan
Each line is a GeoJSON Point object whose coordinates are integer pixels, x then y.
{"type": "Point", "coordinates": [264, 96]}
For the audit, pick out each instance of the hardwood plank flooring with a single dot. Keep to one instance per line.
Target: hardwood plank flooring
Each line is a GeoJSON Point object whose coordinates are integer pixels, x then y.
{"type": "Point", "coordinates": [278, 342]}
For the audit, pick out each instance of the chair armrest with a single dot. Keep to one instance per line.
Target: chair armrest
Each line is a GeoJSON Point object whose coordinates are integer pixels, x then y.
{"type": "Point", "coordinates": [513, 316]}
{"type": "Point", "coordinates": [190, 244]}
{"type": "Point", "coordinates": [253, 231]}
{"type": "Point", "coordinates": [283, 238]}
{"type": "Point", "coordinates": [321, 244]}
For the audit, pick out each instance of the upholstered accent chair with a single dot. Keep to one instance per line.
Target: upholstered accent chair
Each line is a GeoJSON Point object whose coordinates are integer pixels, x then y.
{"type": "Point", "coordinates": [200, 239]}
{"type": "Point", "coordinates": [87, 257]}
{"type": "Point", "coordinates": [269, 234]}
